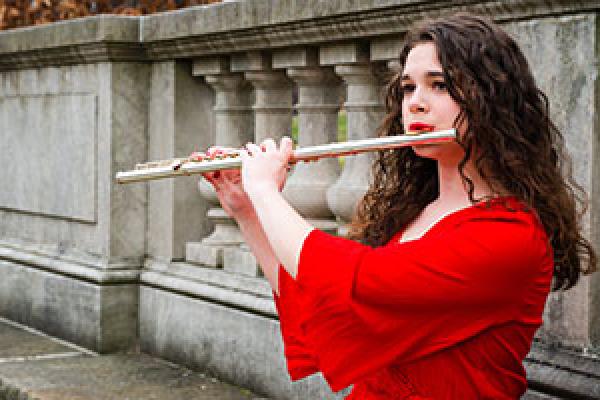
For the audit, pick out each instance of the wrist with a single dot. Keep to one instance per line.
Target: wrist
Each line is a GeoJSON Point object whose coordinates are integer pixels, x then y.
{"type": "Point", "coordinates": [245, 216]}
{"type": "Point", "coordinates": [261, 191]}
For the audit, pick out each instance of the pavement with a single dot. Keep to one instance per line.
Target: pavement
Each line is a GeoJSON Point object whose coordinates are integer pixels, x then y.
{"type": "Point", "coordinates": [36, 366]}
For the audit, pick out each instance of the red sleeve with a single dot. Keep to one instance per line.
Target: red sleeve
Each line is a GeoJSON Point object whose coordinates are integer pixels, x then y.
{"type": "Point", "coordinates": [300, 361]}
{"type": "Point", "coordinates": [366, 307]}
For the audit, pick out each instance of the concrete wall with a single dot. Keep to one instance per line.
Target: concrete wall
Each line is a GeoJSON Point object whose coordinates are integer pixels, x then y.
{"type": "Point", "coordinates": [106, 266]}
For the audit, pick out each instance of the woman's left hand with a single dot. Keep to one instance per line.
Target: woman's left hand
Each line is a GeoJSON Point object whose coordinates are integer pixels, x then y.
{"type": "Point", "coordinates": [265, 168]}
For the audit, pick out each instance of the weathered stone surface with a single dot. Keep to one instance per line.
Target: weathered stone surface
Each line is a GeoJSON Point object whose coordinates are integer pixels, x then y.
{"type": "Point", "coordinates": [36, 366]}
{"type": "Point", "coordinates": [83, 40]}
{"type": "Point", "coordinates": [364, 110]}
{"type": "Point", "coordinates": [386, 47]}
{"type": "Point", "coordinates": [231, 16]}
{"type": "Point", "coordinates": [19, 344]}
{"type": "Point", "coordinates": [236, 346]}
{"type": "Point", "coordinates": [238, 291]}
{"type": "Point", "coordinates": [318, 105]}
{"type": "Point", "coordinates": [563, 373]}
{"type": "Point", "coordinates": [233, 283]}
{"type": "Point", "coordinates": [133, 377]}
{"type": "Point", "coordinates": [142, 111]}
{"type": "Point", "coordinates": [344, 53]}
{"type": "Point", "coordinates": [535, 395]}
{"type": "Point", "coordinates": [210, 66]}
{"type": "Point", "coordinates": [563, 54]}
{"type": "Point", "coordinates": [99, 317]}
{"type": "Point", "coordinates": [37, 155]}
{"type": "Point", "coordinates": [180, 121]}
{"type": "Point", "coordinates": [250, 61]}
{"type": "Point", "coordinates": [240, 261]}
{"type": "Point", "coordinates": [101, 28]}
{"type": "Point", "coordinates": [123, 141]}
{"type": "Point", "coordinates": [242, 26]}
{"type": "Point", "coordinates": [94, 123]}
{"type": "Point", "coordinates": [296, 57]}
{"type": "Point", "coordinates": [205, 255]}
{"type": "Point", "coordinates": [67, 223]}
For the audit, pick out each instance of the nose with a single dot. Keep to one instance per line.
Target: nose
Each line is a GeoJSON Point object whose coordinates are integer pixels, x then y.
{"type": "Point", "coordinates": [417, 103]}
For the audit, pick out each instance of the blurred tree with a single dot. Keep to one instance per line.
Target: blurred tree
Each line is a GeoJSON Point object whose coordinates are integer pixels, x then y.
{"type": "Point", "coordinates": [18, 13]}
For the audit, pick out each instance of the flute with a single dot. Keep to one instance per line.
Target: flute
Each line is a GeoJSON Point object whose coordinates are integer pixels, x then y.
{"type": "Point", "coordinates": [186, 166]}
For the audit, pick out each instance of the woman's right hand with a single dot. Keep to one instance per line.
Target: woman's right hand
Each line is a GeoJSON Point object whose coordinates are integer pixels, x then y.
{"type": "Point", "coordinates": [228, 185]}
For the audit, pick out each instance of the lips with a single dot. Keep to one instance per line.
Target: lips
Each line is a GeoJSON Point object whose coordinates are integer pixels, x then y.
{"type": "Point", "coordinates": [421, 127]}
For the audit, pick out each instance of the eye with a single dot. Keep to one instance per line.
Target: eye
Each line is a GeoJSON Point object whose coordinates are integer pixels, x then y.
{"type": "Point", "coordinates": [440, 85]}
{"type": "Point", "coordinates": [408, 87]}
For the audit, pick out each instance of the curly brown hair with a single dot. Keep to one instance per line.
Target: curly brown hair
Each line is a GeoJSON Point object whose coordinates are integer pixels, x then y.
{"type": "Point", "coordinates": [520, 150]}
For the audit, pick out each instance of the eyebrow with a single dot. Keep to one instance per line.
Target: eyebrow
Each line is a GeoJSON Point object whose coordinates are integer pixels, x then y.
{"type": "Point", "coordinates": [429, 74]}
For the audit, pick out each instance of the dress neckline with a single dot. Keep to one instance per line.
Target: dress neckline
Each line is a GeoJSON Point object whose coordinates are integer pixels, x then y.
{"type": "Point", "coordinates": [397, 238]}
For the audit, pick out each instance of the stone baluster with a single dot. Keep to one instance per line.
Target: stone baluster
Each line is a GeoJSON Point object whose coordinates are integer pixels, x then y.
{"type": "Point", "coordinates": [179, 105]}
{"type": "Point", "coordinates": [318, 105]}
{"type": "Point", "coordinates": [272, 119]}
{"type": "Point", "coordinates": [233, 128]}
{"type": "Point", "coordinates": [364, 110]}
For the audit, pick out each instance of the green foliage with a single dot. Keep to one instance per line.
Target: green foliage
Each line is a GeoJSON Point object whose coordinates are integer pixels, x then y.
{"type": "Point", "coordinates": [342, 127]}
{"type": "Point", "coordinates": [342, 130]}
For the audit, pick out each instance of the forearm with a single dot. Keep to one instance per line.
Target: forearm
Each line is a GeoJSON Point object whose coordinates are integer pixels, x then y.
{"type": "Point", "coordinates": [283, 227]}
{"type": "Point", "coordinates": [256, 239]}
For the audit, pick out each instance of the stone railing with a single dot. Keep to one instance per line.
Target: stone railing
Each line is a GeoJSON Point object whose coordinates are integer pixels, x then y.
{"type": "Point", "coordinates": [160, 263]}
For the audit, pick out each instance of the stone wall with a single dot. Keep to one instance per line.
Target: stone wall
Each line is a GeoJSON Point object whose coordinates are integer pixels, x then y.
{"type": "Point", "coordinates": [160, 264]}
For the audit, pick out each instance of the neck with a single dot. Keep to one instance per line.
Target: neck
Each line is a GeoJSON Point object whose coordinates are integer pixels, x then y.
{"type": "Point", "coordinates": [452, 190]}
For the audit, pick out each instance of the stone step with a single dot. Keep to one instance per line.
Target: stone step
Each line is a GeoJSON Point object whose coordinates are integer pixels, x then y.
{"type": "Point", "coordinates": [36, 366]}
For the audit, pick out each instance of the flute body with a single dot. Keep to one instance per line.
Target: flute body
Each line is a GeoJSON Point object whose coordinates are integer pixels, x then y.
{"type": "Point", "coordinates": [185, 167]}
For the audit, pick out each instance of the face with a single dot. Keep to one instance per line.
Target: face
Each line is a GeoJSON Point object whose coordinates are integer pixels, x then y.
{"type": "Point", "coordinates": [427, 101]}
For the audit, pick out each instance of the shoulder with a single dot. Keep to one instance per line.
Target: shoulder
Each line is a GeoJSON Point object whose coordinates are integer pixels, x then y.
{"type": "Point", "coordinates": [508, 223]}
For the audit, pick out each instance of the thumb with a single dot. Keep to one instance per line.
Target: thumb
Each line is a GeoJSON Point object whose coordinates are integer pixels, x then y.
{"type": "Point", "coordinates": [286, 147]}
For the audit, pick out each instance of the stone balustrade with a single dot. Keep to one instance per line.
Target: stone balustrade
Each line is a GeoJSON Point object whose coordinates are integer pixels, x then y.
{"type": "Point", "coordinates": [161, 263]}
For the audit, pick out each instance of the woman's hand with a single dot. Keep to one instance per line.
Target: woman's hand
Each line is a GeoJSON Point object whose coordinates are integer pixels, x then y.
{"type": "Point", "coordinates": [265, 168]}
{"type": "Point", "coordinates": [228, 186]}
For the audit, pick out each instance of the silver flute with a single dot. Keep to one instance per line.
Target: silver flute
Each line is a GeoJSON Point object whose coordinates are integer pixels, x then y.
{"type": "Point", "coordinates": [188, 166]}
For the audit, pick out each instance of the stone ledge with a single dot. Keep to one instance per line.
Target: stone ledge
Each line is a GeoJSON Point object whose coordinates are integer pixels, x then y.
{"type": "Point", "coordinates": [102, 317]}
{"type": "Point", "coordinates": [75, 32]}
{"type": "Point", "coordinates": [563, 373]}
{"type": "Point", "coordinates": [83, 269]}
{"type": "Point", "coordinates": [77, 41]}
{"type": "Point", "coordinates": [217, 277]}
{"type": "Point", "coordinates": [182, 35]}
{"type": "Point", "coordinates": [287, 15]}
{"type": "Point", "coordinates": [74, 54]}
{"type": "Point", "coordinates": [215, 286]}
{"type": "Point", "coordinates": [237, 27]}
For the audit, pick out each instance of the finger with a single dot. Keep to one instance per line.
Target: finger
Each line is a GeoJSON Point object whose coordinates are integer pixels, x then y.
{"type": "Point", "coordinates": [214, 151]}
{"type": "Point", "coordinates": [253, 149]}
{"type": "Point", "coordinates": [244, 155]}
{"type": "Point", "coordinates": [269, 145]}
{"type": "Point", "coordinates": [210, 178]}
{"type": "Point", "coordinates": [286, 147]}
{"type": "Point", "coordinates": [210, 152]}
{"type": "Point", "coordinates": [230, 174]}
{"type": "Point", "coordinates": [207, 176]}
{"type": "Point", "coordinates": [197, 156]}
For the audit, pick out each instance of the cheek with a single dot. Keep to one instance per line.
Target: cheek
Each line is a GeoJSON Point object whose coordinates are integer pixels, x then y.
{"type": "Point", "coordinates": [451, 109]}
{"type": "Point", "coordinates": [405, 110]}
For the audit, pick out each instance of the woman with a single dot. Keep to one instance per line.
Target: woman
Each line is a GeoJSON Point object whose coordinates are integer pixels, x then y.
{"type": "Point", "coordinates": [460, 241]}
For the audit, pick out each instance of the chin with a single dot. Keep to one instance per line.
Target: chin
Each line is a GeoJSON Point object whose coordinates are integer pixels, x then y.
{"type": "Point", "coordinates": [439, 151]}
{"type": "Point", "coordinates": [429, 150]}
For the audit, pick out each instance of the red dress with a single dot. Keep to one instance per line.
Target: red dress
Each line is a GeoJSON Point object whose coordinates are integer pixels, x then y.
{"type": "Point", "coordinates": [448, 316]}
